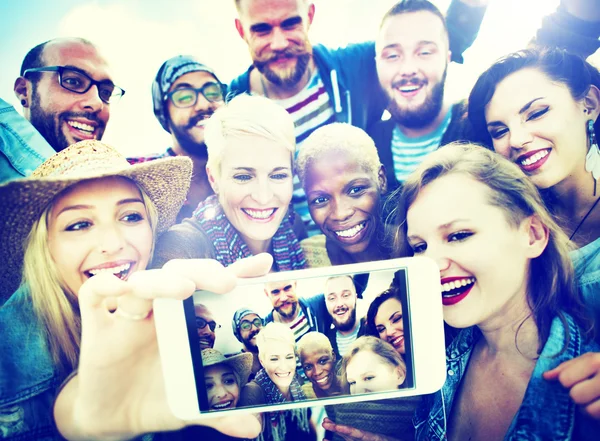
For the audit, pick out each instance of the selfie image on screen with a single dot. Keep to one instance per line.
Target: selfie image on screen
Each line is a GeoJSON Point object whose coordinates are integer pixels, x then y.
{"type": "Point", "coordinates": [297, 340]}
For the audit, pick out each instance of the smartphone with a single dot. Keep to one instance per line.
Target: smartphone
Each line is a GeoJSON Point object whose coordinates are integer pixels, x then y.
{"type": "Point", "coordinates": [334, 301]}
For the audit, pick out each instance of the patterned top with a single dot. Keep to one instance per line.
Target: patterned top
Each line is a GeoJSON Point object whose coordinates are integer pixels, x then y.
{"type": "Point", "coordinates": [408, 153]}
{"type": "Point", "coordinates": [310, 109]}
{"type": "Point", "coordinates": [138, 159]}
{"type": "Point", "coordinates": [344, 341]}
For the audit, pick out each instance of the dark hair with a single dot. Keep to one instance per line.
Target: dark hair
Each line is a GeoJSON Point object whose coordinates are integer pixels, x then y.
{"type": "Point", "coordinates": [551, 281]}
{"type": "Point", "coordinates": [390, 293]}
{"type": "Point", "coordinates": [408, 6]}
{"type": "Point", "coordinates": [559, 65]}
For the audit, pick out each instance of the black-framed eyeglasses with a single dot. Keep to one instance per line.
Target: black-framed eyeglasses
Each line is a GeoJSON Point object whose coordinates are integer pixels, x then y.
{"type": "Point", "coordinates": [201, 323]}
{"type": "Point", "coordinates": [188, 96]}
{"type": "Point", "coordinates": [247, 324]}
{"type": "Point", "coordinates": [79, 82]}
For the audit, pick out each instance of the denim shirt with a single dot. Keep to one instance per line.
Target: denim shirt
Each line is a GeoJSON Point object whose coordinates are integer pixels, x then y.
{"type": "Point", "coordinates": [22, 148]}
{"type": "Point", "coordinates": [28, 377]}
{"type": "Point", "coordinates": [546, 413]}
{"type": "Point", "coordinates": [587, 269]}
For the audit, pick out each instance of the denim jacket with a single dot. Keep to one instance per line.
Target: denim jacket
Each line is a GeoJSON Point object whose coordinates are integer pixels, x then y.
{"type": "Point", "coordinates": [28, 377]}
{"type": "Point", "coordinates": [587, 269]}
{"type": "Point", "coordinates": [546, 413]}
{"type": "Point", "coordinates": [22, 148]}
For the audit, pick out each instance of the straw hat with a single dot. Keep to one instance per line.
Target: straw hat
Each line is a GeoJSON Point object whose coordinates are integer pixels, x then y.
{"type": "Point", "coordinates": [22, 201]}
{"type": "Point", "coordinates": [241, 363]}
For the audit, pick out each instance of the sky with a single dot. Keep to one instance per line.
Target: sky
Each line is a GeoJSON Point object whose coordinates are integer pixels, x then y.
{"type": "Point", "coordinates": [137, 36]}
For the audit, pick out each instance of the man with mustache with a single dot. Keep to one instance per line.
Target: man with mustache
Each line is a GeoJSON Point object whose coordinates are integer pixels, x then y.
{"type": "Point", "coordinates": [413, 52]}
{"type": "Point", "coordinates": [66, 91]}
{"type": "Point", "coordinates": [302, 315]}
{"type": "Point", "coordinates": [246, 325]}
{"type": "Point", "coordinates": [340, 299]}
{"type": "Point", "coordinates": [185, 93]}
{"type": "Point", "coordinates": [315, 84]}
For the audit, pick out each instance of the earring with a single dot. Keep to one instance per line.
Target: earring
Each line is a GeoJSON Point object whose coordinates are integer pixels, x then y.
{"type": "Point", "coordinates": [592, 159]}
{"type": "Point", "coordinates": [23, 102]}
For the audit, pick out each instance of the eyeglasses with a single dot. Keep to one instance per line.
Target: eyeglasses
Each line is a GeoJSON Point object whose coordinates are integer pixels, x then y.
{"type": "Point", "coordinates": [201, 323]}
{"type": "Point", "coordinates": [79, 82]}
{"type": "Point", "coordinates": [188, 96]}
{"type": "Point", "coordinates": [247, 324]}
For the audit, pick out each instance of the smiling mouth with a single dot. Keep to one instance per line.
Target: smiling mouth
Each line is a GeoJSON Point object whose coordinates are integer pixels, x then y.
{"type": "Point", "coordinates": [121, 271]}
{"type": "Point", "coordinates": [351, 232]}
{"type": "Point", "coordinates": [223, 405]}
{"type": "Point", "coordinates": [286, 375]}
{"type": "Point", "coordinates": [455, 290]}
{"type": "Point", "coordinates": [340, 311]}
{"type": "Point", "coordinates": [259, 214]}
{"type": "Point", "coordinates": [397, 341]}
{"type": "Point", "coordinates": [205, 342]}
{"type": "Point", "coordinates": [323, 381]}
{"type": "Point", "coordinates": [533, 159]}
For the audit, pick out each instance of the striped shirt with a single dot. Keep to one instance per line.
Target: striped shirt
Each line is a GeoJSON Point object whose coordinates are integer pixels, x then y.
{"type": "Point", "coordinates": [344, 341]}
{"type": "Point", "coordinates": [300, 327]}
{"type": "Point", "coordinates": [310, 109]}
{"type": "Point", "coordinates": [408, 153]}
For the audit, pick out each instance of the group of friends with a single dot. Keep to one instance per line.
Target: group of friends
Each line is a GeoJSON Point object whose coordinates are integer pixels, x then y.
{"type": "Point", "coordinates": [291, 167]}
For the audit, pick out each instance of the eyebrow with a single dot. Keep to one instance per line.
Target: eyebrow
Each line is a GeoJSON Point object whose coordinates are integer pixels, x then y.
{"type": "Point", "coordinates": [87, 207]}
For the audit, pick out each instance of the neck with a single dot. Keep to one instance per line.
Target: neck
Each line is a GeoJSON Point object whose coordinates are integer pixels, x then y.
{"type": "Point", "coordinates": [259, 84]}
{"type": "Point", "coordinates": [511, 333]}
{"type": "Point", "coordinates": [351, 330]}
{"type": "Point", "coordinates": [279, 318]}
{"type": "Point", "coordinates": [416, 132]}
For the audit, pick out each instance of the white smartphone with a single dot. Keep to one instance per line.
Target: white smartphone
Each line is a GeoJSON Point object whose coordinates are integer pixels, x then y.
{"type": "Point", "coordinates": [326, 296]}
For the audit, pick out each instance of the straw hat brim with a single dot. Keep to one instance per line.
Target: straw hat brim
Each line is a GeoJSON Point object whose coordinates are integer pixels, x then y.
{"type": "Point", "coordinates": [240, 363]}
{"type": "Point", "coordinates": [165, 181]}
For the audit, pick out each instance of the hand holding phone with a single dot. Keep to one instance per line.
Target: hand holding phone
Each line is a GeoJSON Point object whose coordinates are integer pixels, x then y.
{"type": "Point", "coordinates": [119, 389]}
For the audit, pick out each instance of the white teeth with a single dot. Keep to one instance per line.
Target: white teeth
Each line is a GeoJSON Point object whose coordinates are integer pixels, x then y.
{"type": "Point", "coordinates": [223, 406]}
{"type": "Point", "coordinates": [322, 380]}
{"type": "Point", "coordinates": [113, 270]}
{"type": "Point", "coordinates": [81, 126]}
{"type": "Point", "coordinates": [449, 286]}
{"type": "Point", "coordinates": [283, 375]}
{"type": "Point", "coordinates": [409, 89]}
{"type": "Point", "coordinates": [259, 214]}
{"type": "Point", "coordinates": [351, 232]}
{"type": "Point", "coordinates": [535, 158]}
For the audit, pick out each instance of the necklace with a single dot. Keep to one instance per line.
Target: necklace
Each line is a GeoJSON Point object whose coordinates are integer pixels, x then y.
{"type": "Point", "coordinates": [584, 218]}
{"type": "Point", "coordinates": [264, 87]}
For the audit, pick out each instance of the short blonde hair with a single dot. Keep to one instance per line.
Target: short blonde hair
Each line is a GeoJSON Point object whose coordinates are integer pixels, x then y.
{"type": "Point", "coordinates": [343, 138]}
{"type": "Point", "coordinates": [312, 339]}
{"type": "Point", "coordinates": [274, 331]}
{"type": "Point", "coordinates": [247, 115]}
{"type": "Point", "coordinates": [54, 305]}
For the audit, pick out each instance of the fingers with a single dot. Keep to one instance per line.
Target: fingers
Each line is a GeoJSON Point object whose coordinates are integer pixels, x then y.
{"type": "Point", "coordinates": [240, 426]}
{"type": "Point", "coordinates": [573, 371]}
{"type": "Point", "coordinates": [207, 274]}
{"type": "Point", "coordinates": [353, 434]}
{"type": "Point", "coordinates": [254, 266]}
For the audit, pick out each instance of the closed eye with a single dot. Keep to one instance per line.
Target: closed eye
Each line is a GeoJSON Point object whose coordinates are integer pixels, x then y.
{"type": "Point", "coordinates": [498, 133]}
{"type": "Point", "coordinates": [419, 248]}
{"type": "Point", "coordinates": [537, 114]}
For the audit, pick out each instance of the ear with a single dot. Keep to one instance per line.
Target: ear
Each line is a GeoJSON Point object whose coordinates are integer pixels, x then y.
{"type": "Point", "coordinates": [212, 180]}
{"type": "Point", "coordinates": [23, 91]}
{"type": "Point", "coordinates": [311, 13]}
{"type": "Point", "coordinates": [240, 28]}
{"type": "Point", "coordinates": [449, 56]}
{"type": "Point", "coordinates": [401, 373]}
{"type": "Point", "coordinates": [382, 179]}
{"type": "Point", "coordinates": [591, 103]}
{"type": "Point", "coordinates": [537, 235]}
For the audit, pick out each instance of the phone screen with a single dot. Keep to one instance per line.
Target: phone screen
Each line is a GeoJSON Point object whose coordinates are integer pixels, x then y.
{"type": "Point", "coordinates": [334, 336]}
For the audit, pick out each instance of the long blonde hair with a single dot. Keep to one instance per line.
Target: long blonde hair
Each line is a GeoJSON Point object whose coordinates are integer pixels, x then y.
{"type": "Point", "coordinates": [54, 305]}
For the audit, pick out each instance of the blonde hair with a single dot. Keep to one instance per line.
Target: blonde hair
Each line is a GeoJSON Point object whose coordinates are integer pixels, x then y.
{"type": "Point", "coordinates": [244, 116]}
{"type": "Point", "coordinates": [311, 339]}
{"type": "Point", "coordinates": [383, 349]}
{"type": "Point", "coordinates": [54, 305]}
{"type": "Point", "coordinates": [551, 287]}
{"type": "Point", "coordinates": [342, 138]}
{"type": "Point", "coordinates": [274, 331]}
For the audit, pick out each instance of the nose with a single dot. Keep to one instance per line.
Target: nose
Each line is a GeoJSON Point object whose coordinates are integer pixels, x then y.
{"type": "Point", "coordinates": [440, 257]}
{"type": "Point", "coordinates": [91, 101]}
{"type": "Point", "coordinates": [279, 40]}
{"type": "Point", "coordinates": [262, 192]}
{"type": "Point", "coordinates": [407, 66]}
{"type": "Point", "coordinates": [342, 210]}
{"type": "Point", "coordinates": [519, 136]}
{"type": "Point", "coordinates": [219, 391]}
{"type": "Point", "coordinates": [111, 240]}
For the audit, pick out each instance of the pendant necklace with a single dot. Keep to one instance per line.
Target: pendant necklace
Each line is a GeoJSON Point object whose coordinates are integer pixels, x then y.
{"type": "Point", "coordinates": [584, 218]}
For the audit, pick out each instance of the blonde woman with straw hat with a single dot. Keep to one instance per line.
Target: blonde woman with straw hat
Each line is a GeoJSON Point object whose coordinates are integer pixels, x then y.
{"type": "Point", "coordinates": [72, 238]}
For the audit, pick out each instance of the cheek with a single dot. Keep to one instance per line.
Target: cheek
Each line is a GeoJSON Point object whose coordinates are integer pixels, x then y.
{"type": "Point", "coordinates": [319, 215]}
{"type": "Point", "coordinates": [142, 240]}
{"type": "Point", "coordinates": [234, 390]}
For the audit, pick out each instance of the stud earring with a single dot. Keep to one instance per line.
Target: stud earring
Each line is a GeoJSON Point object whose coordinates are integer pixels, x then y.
{"type": "Point", "coordinates": [592, 159]}
{"type": "Point", "coordinates": [23, 102]}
